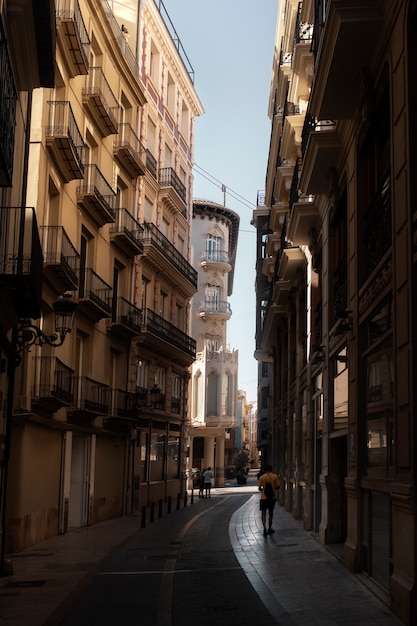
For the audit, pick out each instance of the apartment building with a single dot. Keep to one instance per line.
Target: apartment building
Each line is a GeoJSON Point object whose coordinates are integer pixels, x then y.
{"type": "Point", "coordinates": [98, 421]}
{"type": "Point", "coordinates": [23, 70]}
{"type": "Point", "coordinates": [336, 313]}
{"type": "Point", "coordinates": [214, 373]}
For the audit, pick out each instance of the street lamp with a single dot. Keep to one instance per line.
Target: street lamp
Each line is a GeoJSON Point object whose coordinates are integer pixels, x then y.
{"type": "Point", "coordinates": [24, 335]}
{"type": "Point", "coordinates": [29, 335]}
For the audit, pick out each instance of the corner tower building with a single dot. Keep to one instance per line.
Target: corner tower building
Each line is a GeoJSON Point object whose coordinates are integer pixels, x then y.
{"type": "Point", "coordinates": [215, 370]}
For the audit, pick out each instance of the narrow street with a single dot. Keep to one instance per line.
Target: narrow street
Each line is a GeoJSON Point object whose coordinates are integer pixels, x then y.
{"type": "Point", "coordinates": [206, 563]}
{"type": "Point", "coordinates": [177, 578]}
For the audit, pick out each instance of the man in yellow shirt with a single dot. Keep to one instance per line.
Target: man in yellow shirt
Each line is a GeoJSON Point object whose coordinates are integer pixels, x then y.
{"type": "Point", "coordinates": [268, 484]}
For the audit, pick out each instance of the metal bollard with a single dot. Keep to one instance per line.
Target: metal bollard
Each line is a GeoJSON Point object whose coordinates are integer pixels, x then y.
{"type": "Point", "coordinates": [185, 497]}
{"type": "Point", "coordinates": [178, 502]}
{"type": "Point", "coordinates": [169, 505]}
{"type": "Point", "coordinates": [160, 508]}
{"type": "Point", "coordinates": [152, 515]}
{"type": "Point", "coordinates": [192, 495]}
{"type": "Point", "coordinates": [143, 522]}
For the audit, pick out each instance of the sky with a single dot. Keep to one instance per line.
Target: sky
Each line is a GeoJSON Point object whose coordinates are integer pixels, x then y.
{"type": "Point", "coordinates": [230, 45]}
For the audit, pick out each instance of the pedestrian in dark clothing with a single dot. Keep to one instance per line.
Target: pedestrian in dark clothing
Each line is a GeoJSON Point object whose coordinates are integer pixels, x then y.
{"type": "Point", "coordinates": [208, 475]}
{"type": "Point", "coordinates": [201, 485]}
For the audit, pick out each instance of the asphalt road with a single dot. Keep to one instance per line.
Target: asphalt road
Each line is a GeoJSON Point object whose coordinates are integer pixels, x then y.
{"type": "Point", "coordinates": [172, 575]}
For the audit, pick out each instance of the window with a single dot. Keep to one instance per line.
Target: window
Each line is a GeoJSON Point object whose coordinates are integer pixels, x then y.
{"type": "Point", "coordinates": [213, 247]}
{"type": "Point", "coordinates": [160, 379]}
{"type": "Point", "coordinates": [163, 299]}
{"type": "Point", "coordinates": [158, 441]}
{"type": "Point", "coordinates": [144, 294]}
{"type": "Point", "coordinates": [173, 460]}
{"type": "Point", "coordinates": [154, 59]}
{"type": "Point", "coordinates": [167, 157]}
{"type": "Point", "coordinates": [185, 121]}
{"type": "Point", "coordinates": [379, 398]}
{"type": "Point", "coordinates": [213, 295]}
{"type": "Point", "coordinates": [142, 374]}
{"type": "Point", "coordinates": [148, 211]}
{"type": "Point", "coordinates": [212, 394]}
{"type": "Point", "coordinates": [170, 94]}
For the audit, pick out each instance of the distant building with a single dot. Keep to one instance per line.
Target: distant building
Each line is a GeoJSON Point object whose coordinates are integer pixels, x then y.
{"type": "Point", "coordinates": [214, 376]}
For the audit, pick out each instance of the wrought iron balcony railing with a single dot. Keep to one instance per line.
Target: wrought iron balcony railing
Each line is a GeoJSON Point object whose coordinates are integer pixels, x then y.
{"type": "Point", "coordinates": [90, 396]}
{"type": "Point", "coordinates": [95, 294]}
{"type": "Point", "coordinates": [64, 140]}
{"type": "Point", "coordinates": [169, 178]}
{"type": "Point", "coordinates": [167, 332]}
{"type": "Point", "coordinates": [154, 237]}
{"type": "Point", "coordinates": [101, 102]}
{"type": "Point", "coordinates": [61, 259]}
{"type": "Point", "coordinates": [21, 263]}
{"type": "Point", "coordinates": [73, 36]}
{"type": "Point", "coordinates": [151, 164]}
{"type": "Point", "coordinates": [126, 318]}
{"type": "Point", "coordinates": [129, 151]}
{"type": "Point", "coordinates": [126, 232]}
{"type": "Point", "coordinates": [97, 196]}
{"type": "Point", "coordinates": [215, 256]}
{"type": "Point", "coordinates": [208, 307]}
{"type": "Point", "coordinates": [53, 384]}
{"type": "Point", "coordinates": [8, 100]}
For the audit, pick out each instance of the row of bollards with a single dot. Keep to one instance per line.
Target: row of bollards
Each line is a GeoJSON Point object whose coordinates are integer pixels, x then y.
{"type": "Point", "coordinates": [160, 507]}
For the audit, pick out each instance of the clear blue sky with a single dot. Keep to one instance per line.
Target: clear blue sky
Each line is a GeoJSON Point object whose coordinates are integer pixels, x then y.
{"type": "Point", "coordinates": [230, 45]}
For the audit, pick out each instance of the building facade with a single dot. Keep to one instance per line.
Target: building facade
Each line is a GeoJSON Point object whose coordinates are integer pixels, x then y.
{"type": "Point", "coordinates": [98, 423]}
{"type": "Point", "coordinates": [337, 316]}
{"type": "Point", "coordinates": [214, 376]}
{"type": "Point", "coordinates": [24, 69]}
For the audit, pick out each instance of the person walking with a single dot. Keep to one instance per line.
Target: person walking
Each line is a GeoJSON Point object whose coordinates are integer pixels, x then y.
{"type": "Point", "coordinates": [201, 484]}
{"type": "Point", "coordinates": [268, 484]}
{"type": "Point", "coordinates": [207, 475]}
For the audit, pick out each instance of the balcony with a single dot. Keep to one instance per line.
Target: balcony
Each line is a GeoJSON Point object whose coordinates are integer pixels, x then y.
{"type": "Point", "coordinates": [173, 190]}
{"type": "Point", "coordinates": [283, 181]}
{"type": "Point", "coordinates": [347, 44]}
{"type": "Point", "coordinates": [94, 296]}
{"type": "Point", "coordinates": [129, 152]}
{"type": "Point", "coordinates": [53, 385]}
{"type": "Point", "coordinates": [303, 221]}
{"type": "Point", "coordinates": [8, 100]}
{"type": "Point", "coordinates": [61, 261]}
{"type": "Point", "coordinates": [216, 260]}
{"type": "Point", "coordinates": [321, 154]}
{"type": "Point", "coordinates": [215, 310]}
{"type": "Point", "coordinates": [91, 398]}
{"type": "Point", "coordinates": [127, 233]}
{"type": "Point", "coordinates": [96, 196]}
{"type": "Point", "coordinates": [126, 319]}
{"type": "Point", "coordinates": [72, 37]}
{"type": "Point", "coordinates": [291, 260]}
{"type": "Point", "coordinates": [167, 338]}
{"type": "Point", "coordinates": [221, 421]}
{"type": "Point", "coordinates": [278, 213]}
{"type": "Point", "coordinates": [21, 262]}
{"type": "Point", "coordinates": [64, 141]}
{"type": "Point", "coordinates": [100, 102]}
{"type": "Point", "coordinates": [151, 164]}
{"type": "Point", "coordinates": [123, 406]}
{"type": "Point", "coordinates": [160, 251]}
